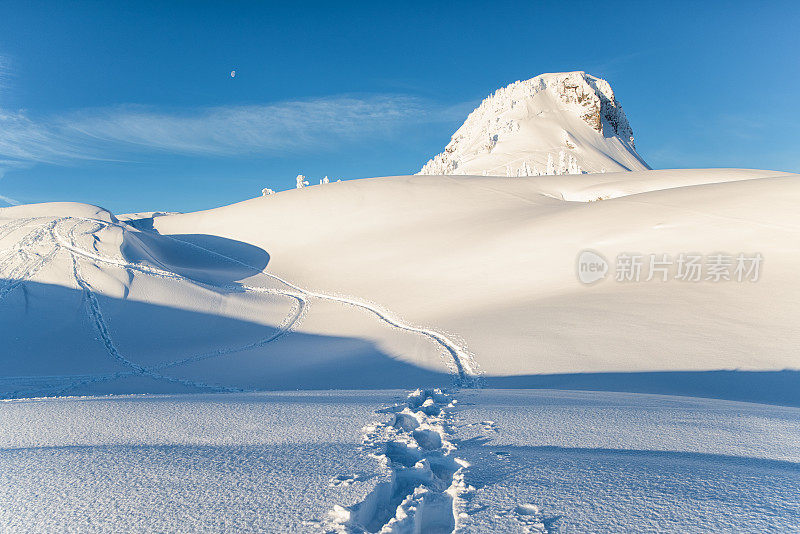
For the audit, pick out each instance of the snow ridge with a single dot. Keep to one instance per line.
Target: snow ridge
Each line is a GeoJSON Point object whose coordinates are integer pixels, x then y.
{"type": "Point", "coordinates": [48, 233]}
{"type": "Point", "coordinates": [462, 361]}
{"type": "Point", "coordinates": [468, 374]}
{"type": "Point", "coordinates": [529, 124]}
{"type": "Point", "coordinates": [98, 319]}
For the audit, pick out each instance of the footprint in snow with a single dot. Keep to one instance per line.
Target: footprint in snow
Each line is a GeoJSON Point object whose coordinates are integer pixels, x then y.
{"type": "Point", "coordinates": [531, 518]}
{"type": "Point", "coordinates": [489, 426]}
{"type": "Point", "coordinates": [347, 480]}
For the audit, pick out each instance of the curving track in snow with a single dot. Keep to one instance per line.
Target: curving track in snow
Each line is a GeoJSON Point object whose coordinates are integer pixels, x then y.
{"type": "Point", "coordinates": [61, 234]}
{"type": "Point", "coordinates": [462, 361]}
{"type": "Point", "coordinates": [99, 321]}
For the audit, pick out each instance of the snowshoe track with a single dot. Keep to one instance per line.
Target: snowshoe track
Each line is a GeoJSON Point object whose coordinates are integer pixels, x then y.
{"type": "Point", "coordinates": [427, 482]}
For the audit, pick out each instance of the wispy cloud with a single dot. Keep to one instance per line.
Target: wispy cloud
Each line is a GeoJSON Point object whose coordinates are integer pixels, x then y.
{"type": "Point", "coordinates": [23, 140]}
{"type": "Point", "coordinates": [270, 129]}
{"type": "Point", "coordinates": [8, 200]}
{"type": "Point", "coordinates": [610, 65]}
{"type": "Point", "coordinates": [5, 71]}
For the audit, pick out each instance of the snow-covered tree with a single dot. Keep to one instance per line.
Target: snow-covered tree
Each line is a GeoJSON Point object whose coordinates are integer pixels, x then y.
{"type": "Point", "coordinates": [324, 181]}
{"type": "Point", "coordinates": [574, 168]}
{"type": "Point", "coordinates": [267, 191]}
{"type": "Point", "coordinates": [301, 181]}
{"type": "Point", "coordinates": [562, 164]}
{"type": "Point", "coordinates": [551, 169]}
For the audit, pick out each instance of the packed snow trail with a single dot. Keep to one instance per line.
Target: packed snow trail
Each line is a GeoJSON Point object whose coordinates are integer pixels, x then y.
{"type": "Point", "coordinates": [427, 480]}
{"type": "Point", "coordinates": [428, 490]}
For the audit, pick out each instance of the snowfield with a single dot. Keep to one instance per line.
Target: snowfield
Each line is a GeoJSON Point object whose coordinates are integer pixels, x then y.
{"type": "Point", "coordinates": [387, 283]}
{"type": "Point", "coordinates": [535, 461]}
{"type": "Point", "coordinates": [256, 367]}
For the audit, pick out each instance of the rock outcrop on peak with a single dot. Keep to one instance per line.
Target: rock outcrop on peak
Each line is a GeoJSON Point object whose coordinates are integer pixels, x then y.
{"type": "Point", "coordinates": [561, 123]}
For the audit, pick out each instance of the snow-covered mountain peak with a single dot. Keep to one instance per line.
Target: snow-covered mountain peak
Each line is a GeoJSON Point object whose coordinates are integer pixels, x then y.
{"type": "Point", "coordinates": [558, 123]}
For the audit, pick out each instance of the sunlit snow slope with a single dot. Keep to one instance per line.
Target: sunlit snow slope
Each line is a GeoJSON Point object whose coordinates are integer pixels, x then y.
{"type": "Point", "coordinates": [406, 281]}
{"type": "Point", "coordinates": [560, 123]}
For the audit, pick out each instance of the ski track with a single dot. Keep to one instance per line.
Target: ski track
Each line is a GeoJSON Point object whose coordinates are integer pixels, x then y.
{"type": "Point", "coordinates": [287, 325]}
{"type": "Point", "coordinates": [9, 228]}
{"type": "Point", "coordinates": [461, 360]}
{"type": "Point", "coordinates": [24, 270]}
{"type": "Point", "coordinates": [95, 313]}
{"type": "Point", "coordinates": [30, 264]}
{"type": "Point", "coordinates": [100, 324]}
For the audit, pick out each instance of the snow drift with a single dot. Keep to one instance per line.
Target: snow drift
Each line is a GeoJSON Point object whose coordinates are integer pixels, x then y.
{"type": "Point", "coordinates": [402, 282]}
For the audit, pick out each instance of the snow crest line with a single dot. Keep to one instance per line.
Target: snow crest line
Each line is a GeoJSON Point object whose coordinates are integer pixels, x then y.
{"type": "Point", "coordinates": [467, 375]}
{"type": "Point", "coordinates": [427, 480]}
{"type": "Point", "coordinates": [100, 324]}
{"type": "Point", "coordinates": [68, 243]}
{"type": "Point", "coordinates": [33, 262]}
{"type": "Point", "coordinates": [463, 362]}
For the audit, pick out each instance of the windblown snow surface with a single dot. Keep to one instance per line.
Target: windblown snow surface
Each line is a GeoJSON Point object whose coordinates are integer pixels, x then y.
{"type": "Point", "coordinates": [362, 356]}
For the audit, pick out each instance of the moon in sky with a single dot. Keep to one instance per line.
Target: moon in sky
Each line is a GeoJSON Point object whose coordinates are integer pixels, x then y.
{"type": "Point", "coordinates": [233, 74]}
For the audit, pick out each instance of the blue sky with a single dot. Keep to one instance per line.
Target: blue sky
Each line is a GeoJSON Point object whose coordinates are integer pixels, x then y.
{"type": "Point", "coordinates": [131, 105]}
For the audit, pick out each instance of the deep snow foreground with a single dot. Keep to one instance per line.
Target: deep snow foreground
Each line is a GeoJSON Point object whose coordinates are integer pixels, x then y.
{"type": "Point", "coordinates": [476, 460]}
{"type": "Point", "coordinates": [405, 282]}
